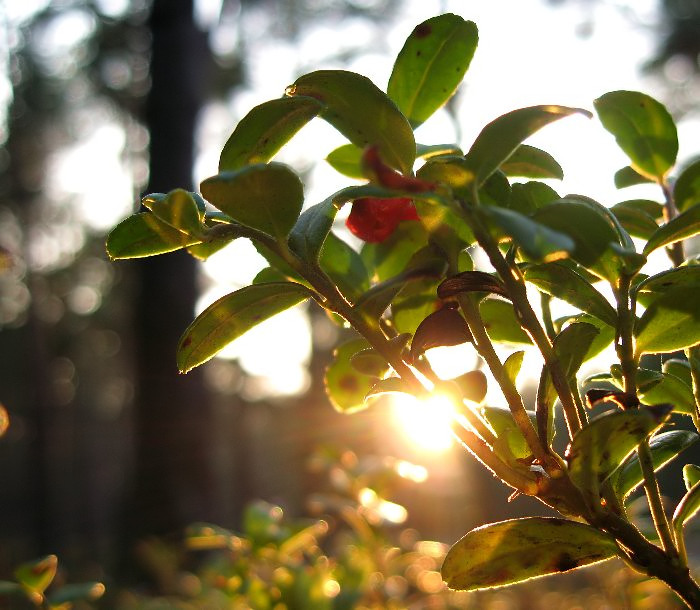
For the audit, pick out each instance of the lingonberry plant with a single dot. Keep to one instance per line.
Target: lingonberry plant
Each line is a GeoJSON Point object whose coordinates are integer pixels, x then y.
{"type": "Point", "coordinates": [424, 212]}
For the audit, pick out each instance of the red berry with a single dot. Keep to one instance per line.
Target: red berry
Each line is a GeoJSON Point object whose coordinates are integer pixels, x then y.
{"type": "Point", "coordinates": [373, 219]}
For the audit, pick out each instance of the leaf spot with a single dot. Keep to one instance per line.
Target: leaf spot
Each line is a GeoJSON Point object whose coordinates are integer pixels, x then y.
{"type": "Point", "coordinates": [348, 383]}
{"type": "Point", "coordinates": [422, 30]}
{"type": "Point", "coordinates": [565, 562]}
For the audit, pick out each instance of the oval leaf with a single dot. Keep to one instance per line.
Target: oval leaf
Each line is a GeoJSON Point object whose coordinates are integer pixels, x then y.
{"type": "Point", "coordinates": [504, 553]}
{"type": "Point", "coordinates": [643, 129]}
{"type": "Point", "coordinates": [665, 447]}
{"type": "Point", "coordinates": [564, 283]}
{"type": "Point", "coordinates": [686, 190]}
{"type": "Point", "coordinates": [265, 129]}
{"type": "Point", "coordinates": [471, 281]}
{"type": "Point", "coordinates": [500, 322]}
{"type": "Point", "coordinates": [264, 197]}
{"type": "Point", "coordinates": [628, 177]}
{"type": "Point", "coordinates": [599, 448]}
{"type": "Point", "coordinates": [178, 209]}
{"type": "Point", "coordinates": [446, 326]}
{"type": "Point", "coordinates": [143, 234]}
{"type": "Point", "coordinates": [691, 475]}
{"type": "Point", "coordinates": [431, 65]}
{"type": "Point", "coordinates": [473, 385]}
{"type": "Point", "coordinates": [671, 322]}
{"type": "Point", "coordinates": [347, 160]}
{"type": "Point", "coordinates": [231, 316]}
{"type": "Point", "coordinates": [687, 508]}
{"type": "Point", "coordinates": [345, 386]}
{"type": "Point", "coordinates": [530, 162]}
{"type": "Point", "coordinates": [636, 218]}
{"type": "Point", "coordinates": [499, 139]}
{"type": "Point", "coordinates": [681, 227]}
{"type": "Point", "coordinates": [359, 110]}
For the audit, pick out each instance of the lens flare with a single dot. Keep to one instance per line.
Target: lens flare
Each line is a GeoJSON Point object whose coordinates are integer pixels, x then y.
{"type": "Point", "coordinates": [425, 423]}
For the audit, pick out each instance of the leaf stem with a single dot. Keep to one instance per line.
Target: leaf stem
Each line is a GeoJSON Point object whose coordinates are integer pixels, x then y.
{"type": "Point", "coordinates": [693, 355]}
{"type": "Point", "coordinates": [675, 251]}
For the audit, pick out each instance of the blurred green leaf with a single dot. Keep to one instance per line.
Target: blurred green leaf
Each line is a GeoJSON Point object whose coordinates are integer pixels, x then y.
{"type": "Point", "coordinates": [413, 304]}
{"type": "Point", "coordinates": [499, 139]}
{"type": "Point", "coordinates": [504, 553]}
{"type": "Point", "coordinates": [344, 266]}
{"type": "Point", "coordinates": [513, 364]}
{"type": "Point", "coordinates": [530, 162]}
{"type": "Point", "coordinates": [265, 197]}
{"type": "Point", "coordinates": [390, 257]}
{"type": "Point", "coordinates": [629, 177]}
{"type": "Point", "coordinates": [89, 591]}
{"type": "Point", "coordinates": [665, 447]}
{"type": "Point", "coordinates": [500, 322]}
{"type": "Point", "coordinates": [687, 508]}
{"type": "Point", "coordinates": [390, 385]}
{"type": "Point", "coordinates": [686, 190]}
{"type": "Point", "coordinates": [232, 315]}
{"type": "Point", "coordinates": [346, 387]}
{"type": "Point", "coordinates": [428, 151]}
{"type": "Point", "coordinates": [670, 322]}
{"type": "Point", "coordinates": [637, 217]}
{"type": "Point", "coordinates": [143, 234]}
{"type": "Point", "coordinates": [643, 129]}
{"type": "Point", "coordinates": [347, 160]}
{"type": "Point", "coordinates": [681, 227]}
{"type": "Point", "coordinates": [529, 196]}
{"type": "Point", "coordinates": [602, 446]}
{"type": "Point", "coordinates": [536, 240]}
{"type": "Point", "coordinates": [265, 129]}
{"type": "Point", "coordinates": [563, 282]}
{"type": "Point", "coordinates": [446, 230]}
{"type": "Point", "coordinates": [431, 65]}
{"type": "Point", "coordinates": [451, 170]}
{"type": "Point", "coordinates": [364, 114]}
{"type": "Point", "coordinates": [35, 576]}
{"type": "Point", "coordinates": [691, 475]}
{"type": "Point", "coordinates": [370, 362]}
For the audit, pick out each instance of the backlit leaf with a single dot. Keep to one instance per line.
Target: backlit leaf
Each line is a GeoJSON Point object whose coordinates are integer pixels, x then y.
{"type": "Point", "coordinates": [344, 266]}
{"type": "Point", "coordinates": [178, 209]}
{"type": "Point", "coordinates": [431, 65]}
{"type": "Point", "coordinates": [446, 326]}
{"type": "Point", "coordinates": [600, 447]}
{"type": "Point", "coordinates": [671, 321]}
{"type": "Point", "coordinates": [629, 177]}
{"type": "Point", "coordinates": [345, 386]}
{"type": "Point", "coordinates": [143, 234]}
{"type": "Point", "coordinates": [37, 575]}
{"type": "Point", "coordinates": [264, 197]}
{"type": "Point", "coordinates": [347, 160]}
{"type": "Point", "coordinates": [654, 387]}
{"type": "Point", "coordinates": [471, 281]}
{"type": "Point", "coordinates": [413, 304]}
{"type": "Point", "coordinates": [499, 139]}
{"type": "Point", "coordinates": [635, 216]}
{"type": "Point", "coordinates": [527, 197]}
{"type": "Point", "coordinates": [265, 129]}
{"type": "Point", "coordinates": [473, 385]}
{"type": "Point", "coordinates": [691, 475]}
{"type": "Point", "coordinates": [507, 552]}
{"type": "Point", "coordinates": [530, 162]}
{"type": "Point", "coordinates": [643, 129]}
{"type": "Point", "coordinates": [687, 508]}
{"type": "Point", "coordinates": [511, 444]}
{"type": "Point", "coordinates": [663, 281]}
{"type": "Point", "coordinates": [391, 256]}
{"type": "Point", "coordinates": [513, 364]}
{"type": "Point", "coordinates": [311, 229]}
{"type": "Point", "coordinates": [370, 362]}
{"type": "Point", "coordinates": [681, 227]}
{"type": "Point", "coordinates": [563, 282]}
{"type": "Point", "coordinates": [686, 190]}
{"type": "Point", "coordinates": [364, 114]}
{"type": "Point", "coordinates": [232, 315]}
{"type": "Point", "coordinates": [665, 447]}
{"type": "Point", "coordinates": [500, 322]}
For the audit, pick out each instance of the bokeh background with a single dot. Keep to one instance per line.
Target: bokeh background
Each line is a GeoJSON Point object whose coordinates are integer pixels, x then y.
{"type": "Point", "coordinates": [102, 101]}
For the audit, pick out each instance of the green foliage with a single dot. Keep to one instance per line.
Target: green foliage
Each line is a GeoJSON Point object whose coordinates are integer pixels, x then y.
{"type": "Point", "coordinates": [414, 282]}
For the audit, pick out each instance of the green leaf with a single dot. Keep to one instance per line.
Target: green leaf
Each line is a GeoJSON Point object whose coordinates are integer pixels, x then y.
{"type": "Point", "coordinates": [691, 475]}
{"type": "Point", "coordinates": [431, 65]}
{"type": "Point", "coordinates": [265, 129]}
{"type": "Point", "coordinates": [179, 210]}
{"type": "Point", "coordinates": [67, 594]}
{"type": "Point", "coordinates": [391, 256]}
{"type": "Point", "coordinates": [390, 385]}
{"type": "Point", "coordinates": [536, 240]}
{"type": "Point", "coordinates": [513, 364]}
{"type": "Point", "coordinates": [678, 277]}
{"type": "Point", "coordinates": [599, 448]}
{"type": "Point", "coordinates": [511, 551]}
{"type": "Point", "coordinates": [686, 190]}
{"type": "Point", "coordinates": [413, 304]}
{"type": "Point", "coordinates": [345, 386]}
{"type": "Point", "coordinates": [629, 177]}
{"type": "Point", "coordinates": [264, 197]}
{"type": "Point", "coordinates": [562, 282]}
{"type": "Point", "coordinates": [364, 114]}
{"type": "Point", "coordinates": [670, 322]}
{"type": "Point", "coordinates": [635, 216]}
{"type": "Point", "coordinates": [344, 266]}
{"type": "Point", "coordinates": [643, 129]}
{"type": "Point", "coordinates": [143, 234]}
{"type": "Point", "coordinates": [347, 160]}
{"type": "Point", "coordinates": [592, 231]}
{"type": "Point", "coordinates": [231, 316]}
{"type": "Point", "coordinates": [687, 508]}
{"type": "Point", "coordinates": [499, 139]}
{"type": "Point", "coordinates": [35, 576]}
{"type": "Point", "coordinates": [530, 162]}
{"type": "Point", "coordinates": [446, 230]}
{"type": "Point", "coordinates": [665, 447]}
{"type": "Point", "coordinates": [311, 229]}
{"type": "Point", "coordinates": [500, 322]}
{"type": "Point", "coordinates": [428, 151]}
{"type": "Point", "coordinates": [681, 227]}
{"type": "Point", "coordinates": [370, 362]}
{"type": "Point", "coordinates": [452, 171]}
{"type": "Point", "coordinates": [511, 444]}
{"type": "Point", "coordinates": [204, 250]}
{"type": "Point", "coordinates": [529, 196]}
{"type": "Point", "coordinates": [655, 387]}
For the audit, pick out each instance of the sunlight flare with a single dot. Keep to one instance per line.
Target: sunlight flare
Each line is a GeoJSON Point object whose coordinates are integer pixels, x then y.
{"type": "Point", "coordinates": [425, 423]}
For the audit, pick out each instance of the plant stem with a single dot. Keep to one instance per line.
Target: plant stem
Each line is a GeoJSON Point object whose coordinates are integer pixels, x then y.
{"type": "Point", "coordinates": [693, 355]}
{"type": "Point", "coordinates": [510, 392]}
{"type": "Point", "coordinates": [545, 301]}
{"type": "Point", "coordinates": [675, 251]}
{"type": "Point", "coordinates": [629, 361]}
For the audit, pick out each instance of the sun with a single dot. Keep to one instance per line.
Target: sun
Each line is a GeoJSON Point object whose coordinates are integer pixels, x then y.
{"type": "Point", "coordinates": [426, 423]}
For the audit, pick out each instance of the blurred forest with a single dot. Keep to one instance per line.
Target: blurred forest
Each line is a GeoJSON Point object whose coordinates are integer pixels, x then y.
{"type": "Point", "coordinates": [107, 445]}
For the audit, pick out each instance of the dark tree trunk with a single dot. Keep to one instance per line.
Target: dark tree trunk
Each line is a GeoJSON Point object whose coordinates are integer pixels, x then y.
{"type": "Point", "coordinates": [174, 483]}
